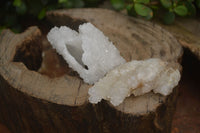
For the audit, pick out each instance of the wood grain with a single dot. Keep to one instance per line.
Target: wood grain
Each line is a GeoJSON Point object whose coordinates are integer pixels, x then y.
{"type": "Point", "coordinates": [186, 31]}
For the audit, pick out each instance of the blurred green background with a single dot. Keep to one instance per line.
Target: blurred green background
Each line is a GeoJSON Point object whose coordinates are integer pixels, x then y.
{"type": "Point", "coordinates": [18, 14]}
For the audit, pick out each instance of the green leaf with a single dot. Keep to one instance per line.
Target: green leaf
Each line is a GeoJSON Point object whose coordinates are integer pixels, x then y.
{"type": "Point", "coordinates": [131, 11]}
{"type": "Point", "coordinates": [154, 7]}
{"type": "Point", "coordinates": [62, 1]}
{"type": "Point", "coordinates": [198, 3]}
{"type": "Point", "coordinates": [21, 9]}
{"type": "Point", "coordinates": [166, 3]}
{"type": "Point", "coordinates": [176, 1]}
{"type": "Point", "coordinates": [191, 8]}
{"type": "Point", "coordinates": [117, 4]}
{"type": "Point", "coordinates": [181, 10]}
{"type": "Point", "coordinates": [42, 13]}
{"type": "Point", "coordinates": [168, 18]}
{"type": "Point", "coordinates": [75, 4]}
{"type": "Point", "coordinates": [143, 10]}
{"type": "Point", "coordinates": [142, 1]}
{"type": "Point", "coordinates": [17, 3]}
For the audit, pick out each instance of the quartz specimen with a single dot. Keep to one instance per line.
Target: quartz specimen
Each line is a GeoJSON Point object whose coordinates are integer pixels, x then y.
{"type": "Point", "coordinates": [87, 48]}
{"type": "Point", "coordinates": [135, 77]}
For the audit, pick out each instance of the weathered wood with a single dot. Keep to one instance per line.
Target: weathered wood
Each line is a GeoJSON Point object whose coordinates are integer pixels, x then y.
{"type": "Point", "coordinates": [187, 32]}
{"type": "Point", "coordinates": [53, 98]}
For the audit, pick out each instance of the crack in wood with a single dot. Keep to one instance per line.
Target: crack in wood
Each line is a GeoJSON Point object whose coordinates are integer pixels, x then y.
{"type": "Point", "coordinates": [78, 92]}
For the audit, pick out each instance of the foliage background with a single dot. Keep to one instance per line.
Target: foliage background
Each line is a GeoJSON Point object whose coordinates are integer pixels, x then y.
{"type": "Point", "coordinates": [17, 14]}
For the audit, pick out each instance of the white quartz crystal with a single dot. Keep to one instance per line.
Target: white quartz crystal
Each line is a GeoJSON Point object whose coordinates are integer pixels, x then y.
{"type": "Point", "coordinates": [135, 77]}
{"type": "Point", "coordinates": [88, 47]}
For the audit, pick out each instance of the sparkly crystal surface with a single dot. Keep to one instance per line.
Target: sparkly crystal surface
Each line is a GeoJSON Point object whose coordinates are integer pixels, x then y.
{"type": "Point", "coordinates": [135, 77]}
{"type": "Point", "coordinates": [87, 47]}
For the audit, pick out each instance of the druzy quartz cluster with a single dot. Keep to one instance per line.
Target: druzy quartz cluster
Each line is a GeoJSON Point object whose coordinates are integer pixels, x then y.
{"type": "Point", "coordinates": [87, 48]}
{"type": "Point", "coordinates": [98, 62]}
{"type": "Point", "coordinates": [135, 77]}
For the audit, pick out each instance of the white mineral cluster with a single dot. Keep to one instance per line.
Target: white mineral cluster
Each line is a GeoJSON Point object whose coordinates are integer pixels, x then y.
{"type": "Point", "coordinates": [135, 77]}
{"type": "Point", "coordinates": [88, 47]}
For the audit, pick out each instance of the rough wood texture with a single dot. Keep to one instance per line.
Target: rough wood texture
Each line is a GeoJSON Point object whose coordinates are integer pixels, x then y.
{"type": "Point", "coordinates": [187, 33]}
{"type": "Point", "coordinates": [55, 99]}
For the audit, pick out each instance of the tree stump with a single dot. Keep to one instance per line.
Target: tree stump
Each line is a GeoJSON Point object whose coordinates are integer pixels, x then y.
{"type": "Point", "coordinates": [187, 32]}
{"type": "Point", "coordinates": [40, 93]}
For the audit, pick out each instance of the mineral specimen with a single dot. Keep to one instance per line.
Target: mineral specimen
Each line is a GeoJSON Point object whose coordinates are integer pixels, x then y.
{"type": "Point", "coordinates": [88, 52]}
{"type": "Point", "coordinates": [92, 55]}
{"type": "Point", "coordinates": [135, 77]}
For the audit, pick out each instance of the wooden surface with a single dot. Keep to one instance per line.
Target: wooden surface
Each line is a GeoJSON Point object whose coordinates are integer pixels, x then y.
{"type": "Point", "coordinates": [186, 118]}
{"type": "Point", "coordinates": [37, 102]}
{"type": "Point", "coordinates": [187, 32]}
{"type": "Point", "coordinates": [146, 38]}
